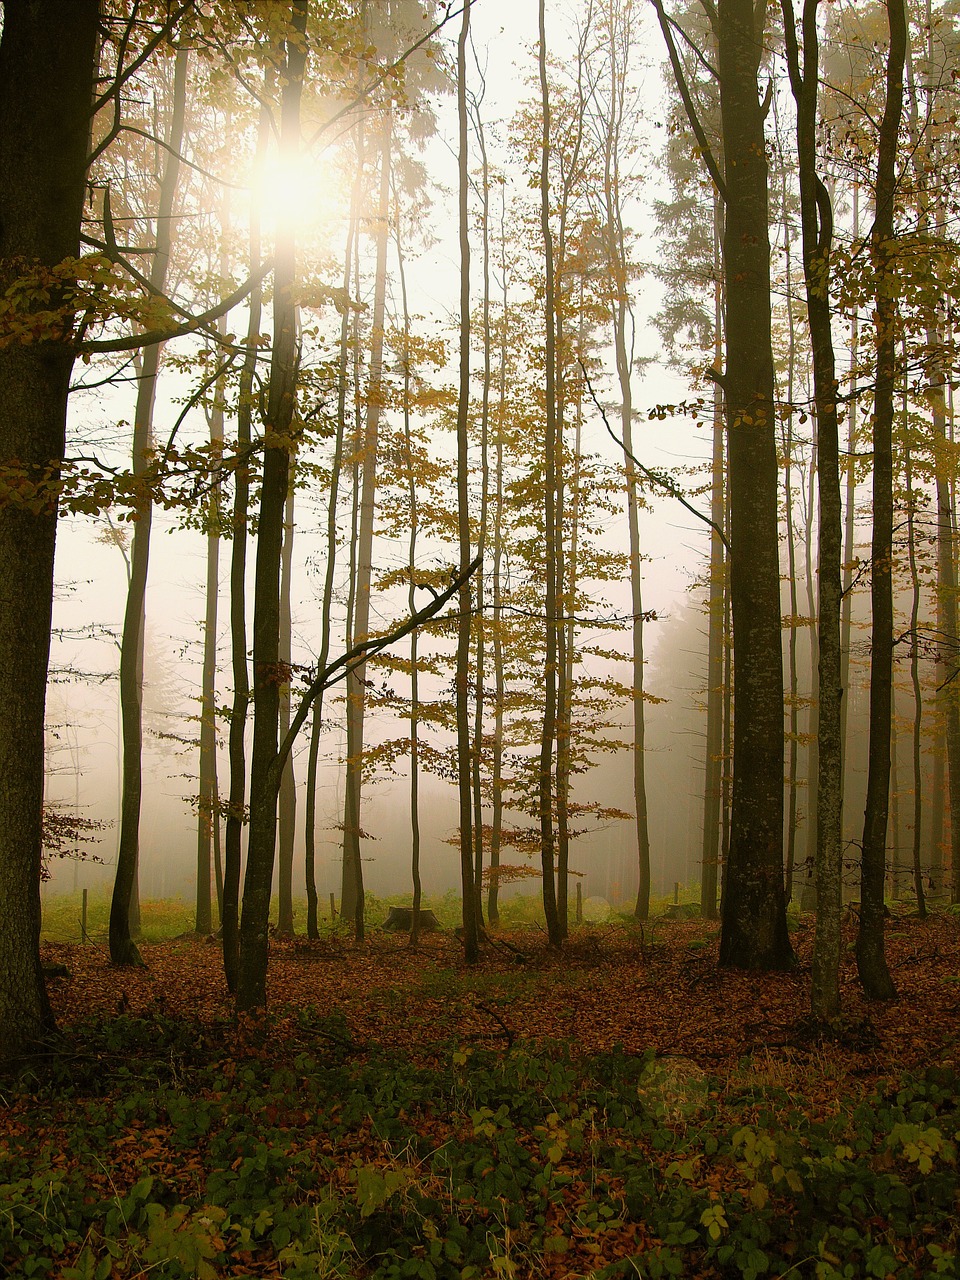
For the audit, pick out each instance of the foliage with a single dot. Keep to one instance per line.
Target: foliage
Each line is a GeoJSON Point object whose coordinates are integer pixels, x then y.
{"type": "Point", "coordinates": [150, 1144]}
{"type": "Point", "coordinates": [64, 833]}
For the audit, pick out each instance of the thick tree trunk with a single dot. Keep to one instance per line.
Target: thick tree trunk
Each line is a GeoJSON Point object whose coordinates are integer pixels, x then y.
{"type": "Point", "coordinates": [754, 929]}
{"type": "Point", "coordinates": [266, 768]}
{"type": "Point", "coordinates": [47, 65]}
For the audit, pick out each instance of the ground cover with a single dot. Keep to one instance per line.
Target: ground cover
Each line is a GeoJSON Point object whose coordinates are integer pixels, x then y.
{"type": "Point", "coordinates": [622, 1110]}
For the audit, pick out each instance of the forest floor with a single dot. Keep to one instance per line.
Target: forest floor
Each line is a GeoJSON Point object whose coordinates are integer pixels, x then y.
{"type": "Point", "coordinates": [624, 1108]}
{"type": "Point", "coordinates": [654, 988]}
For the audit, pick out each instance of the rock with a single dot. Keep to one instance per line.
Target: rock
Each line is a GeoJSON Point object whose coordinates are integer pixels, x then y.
{"type": "Point", "coordinates": [401, 918]}
{"type": "Point", "coordinates": [682, 911]}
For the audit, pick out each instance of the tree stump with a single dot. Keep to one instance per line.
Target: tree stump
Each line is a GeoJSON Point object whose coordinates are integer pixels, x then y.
{"type": "Point", "coordinates": [400, 919]}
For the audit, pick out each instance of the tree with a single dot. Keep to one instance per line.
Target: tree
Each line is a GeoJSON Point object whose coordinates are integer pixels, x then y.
{"type": "Point", "coordinates": [816, 216]}
{"type": "Point", "coordinates": [754, 924]}
{"type": "Point", "coordinates": [48, 58]}
{"type": "Point", "coordinates": [266, 764]}
{"type": "Point", "coordinates": [123, 949]}
{"type": "Point", "coordinates": [551, 585]}
{"type": "Point", "coordinates": [871, 961]}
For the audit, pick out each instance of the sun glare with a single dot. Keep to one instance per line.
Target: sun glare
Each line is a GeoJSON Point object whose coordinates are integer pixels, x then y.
{"type": "Point", "coordinates": [302, 194]}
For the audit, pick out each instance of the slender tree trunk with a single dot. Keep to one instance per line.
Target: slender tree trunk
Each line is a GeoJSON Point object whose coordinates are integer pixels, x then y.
{"type": "Point", "coordinates": [917, 739]}
{"type": "Point", "coordinates": [266, 767]}
{"type": "Point", "coordinates": [288, 785]}
{"type": "Point", "coordinates": [871, 961]}
{"type": "Point", "coordinates": [793, 689]}
{"type": "Point", "coordinates": [47, 65]}
{"type": "Point", "coordinates": [622, 321]}
{"type": "Point", "coordinates": [480, 625]}
{"type": "Point", "coordinates": [948, 645]}
{"type": "Point", "coordinates": [548, 731]}
{"type": "Point", "coordinates": [208, 817]}
{"type": "Point", "coordinates": [713, 769]}
{"type": "Point", "coordinates": [414, 716]}
{"type": "Point", "coordinates": [499, 535]}
{"type": "Point", "coordinates": [343, 364]}
{"type": "Point", "coordinates": [471, 924]}
{"type": "Point", "coordinates": [123, 950]}
{"type": "Point", "coordinates": [849, 520]}
{"type": "Point", "coordinates": [817, 227]}
{"type": "Point", "coordinates": [236, 744]}
{"type": "Point", "coordinates": [351, 904]}
{"type": "Point", "coordinates": [754, 929]}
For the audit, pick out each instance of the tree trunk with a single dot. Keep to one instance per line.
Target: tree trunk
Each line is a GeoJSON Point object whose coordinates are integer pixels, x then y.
{"type": "Point", "coordinates": [471, 923]}
{"type": "Point", "coordinates": [230, 920]}
{"type": "Point", "coordinates": [47, 67]}
{"type": "Point", "coordinates": [288, 784]}
{"type": "Point", "coordinates": [208, 818]}
{"type": "Point", "coordinates": [549, 727]}
{"type": "Point", "coordinates": [123, 950]}
{"type": "Point", "coordinates": [351, 894]}
{"type": "Point", "coordinates": [816, 214]}
{"type": "Point", "coordinates": [754, 929]}
{"type": "Point", "coordinates": [713, 770]}
{"type": "Point", "coordinates": [266, 768]}
{"type": "Point", "coordinates": [330, 571]}
{"type": "Point", "coordinates": [871, 961]}
{"type": "Point", "coordinates": [917, 738]}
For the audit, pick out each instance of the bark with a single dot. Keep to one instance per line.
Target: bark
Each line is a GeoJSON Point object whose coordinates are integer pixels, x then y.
{"type": "Point", "coordinates": [871, 961]}
{"type": "Point", "coordinates": [917, 737]}
{"type": "Point", "coordinates": [414, 719]}
{"type": "Point", "coordinates": [549, 726]}
{"type": "Point", "coordinates": [713, 770]}
{"type": "Point", "coordinates": [793, 688]}
{"type": "Point", "coordinates": [266, 766]}
{"type": "Point", "coordinates": [816, 214]}
{"type": "Point", "coordinates": [496, 765]}
{"type": "Point", "coordinates": [47, 67]}
{"type": "Point", "coordinates": [288, 784]}
{"type": "Point", "coordinates": [330, 571]}
{"type": "Point", "coordinates": [208, 818]}
{"type": "Point", "coordinates": [948, 693]}
{"type": "Point", "coordinates": [351, 894]}
{"type": "Point", "coordinates": [471, 924]}
{"type": "Point", "coordinates": [754, 925]}
{"type": "Point", "coordinates": [123, 950]}
{"type": "Point", "coordinates": [236, 746]}
{"type": "Point", "coordinates": [622, 322]}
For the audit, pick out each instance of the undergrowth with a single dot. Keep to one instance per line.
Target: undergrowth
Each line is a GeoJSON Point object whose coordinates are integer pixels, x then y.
{"type": "Point", "coordinates": [151, 1147]}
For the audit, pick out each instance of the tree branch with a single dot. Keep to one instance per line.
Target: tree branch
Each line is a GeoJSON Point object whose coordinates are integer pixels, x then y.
{"type": "Point", "coordinates": [656, 477]}
{"type": "Point", "coordinates": [708, 158]}
{"type": "Point", "coordinates": [349, 661]}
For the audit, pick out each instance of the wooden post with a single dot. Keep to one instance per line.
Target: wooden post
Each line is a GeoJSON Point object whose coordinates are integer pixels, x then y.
{"type": "Point", "coordinates": [676, 891]}
{"type": "Point", "coordinates": [333, 908]}
{"type": "Point", "coordinates": [83, 918]}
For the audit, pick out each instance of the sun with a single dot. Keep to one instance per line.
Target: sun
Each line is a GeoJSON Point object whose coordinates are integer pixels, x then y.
{"type": "Point", "coordinates": [299, 194]}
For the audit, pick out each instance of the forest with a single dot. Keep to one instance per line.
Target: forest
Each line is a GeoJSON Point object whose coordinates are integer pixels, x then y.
{"type": "Point", "coordinates": [504, 454]}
